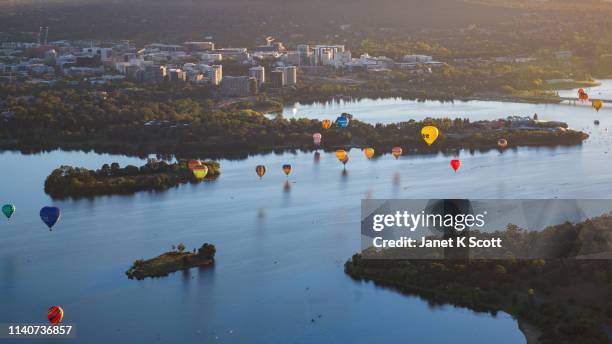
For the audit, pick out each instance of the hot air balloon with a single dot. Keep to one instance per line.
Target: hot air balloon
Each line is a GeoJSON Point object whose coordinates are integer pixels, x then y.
{"type": "Point", "coordinates": [326, 124]}
{"type": "Point", "coordinates": [55, 314]}
{"type": "Point", "coordinates": [582, 95]}
{"type": "Point", "coordinates": [193, 163]}
{"type": "Point", "coordinates": [369, 152]}
{"type": "Point", "coordinates": [342, 121]}
{"type": "Point", "coordinates": [316, 138]}
{"type": "Point", "coordinates": [430, 134]}
{"type": "Point", "coordinates": [596, 122]}
{"type": "Point", "coordinates": [8, 210]}
{"type": "Point", "coordinates": [261, 170]}
{"type": "Point", "coordinates": [455, 164]}
{"type": "Point", "coordinates": [341, 154]}
{"type": "Point", "coordinates": [50, 216]}
{"type": "Point", "coordinates": [345, 160]}
{"type": "Point", "coordinates": [502, 143]}
{"type": "Point", "coordinates": [397, 152]}
{"type": "Point", "coordinates": [597, 104]}
{"type": "Point", "coordinates": [287, 169]}
{"type": "Point", "coordinates": [200, 171]}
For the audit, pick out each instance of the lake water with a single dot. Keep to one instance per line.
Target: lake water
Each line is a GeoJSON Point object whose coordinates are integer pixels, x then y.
{"type": "Point", "coordinates": [281, 242]}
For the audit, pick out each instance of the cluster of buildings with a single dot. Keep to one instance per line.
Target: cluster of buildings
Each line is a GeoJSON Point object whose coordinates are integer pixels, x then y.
{"type": "Point", "coordinates": [270, 66]}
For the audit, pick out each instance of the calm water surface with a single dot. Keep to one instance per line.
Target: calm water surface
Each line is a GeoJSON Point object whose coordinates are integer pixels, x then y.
{"type": "Point", "coordinates": [281, 242]}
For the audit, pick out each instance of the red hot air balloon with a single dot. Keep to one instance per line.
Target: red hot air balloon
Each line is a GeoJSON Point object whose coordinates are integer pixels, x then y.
{"type": "Point", "coordinates": [455, 164]}
{"type": "Point", "coordinates": [55, 314]}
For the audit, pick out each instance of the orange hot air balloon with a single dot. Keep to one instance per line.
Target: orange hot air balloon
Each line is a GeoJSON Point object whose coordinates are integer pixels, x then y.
{"type": "Point", "coordinates": [193, 163]}
{"type": "Point", "coordinates": [597, 104]}
{"type": "Point", "coordinates": [502, 143]}
{"type": "Point", "coordinates": [582, 95]}
{"type": "Point", "coordinates": [260, 170]}
{"type": "Point", "coordinates": [326, 124]}
{"type": "Point", "coordinates": [341, 154]}
{"type": "Point", "coordinates": [397, 152]}
{"type": "Point", "coordinates": [455, 164]}
{"type": "Point", "coordinates": [369, 152]}
{"type": "Point", "coordinates": [55, 314]}
{"type": "Point", "coordinates": [287, 169]}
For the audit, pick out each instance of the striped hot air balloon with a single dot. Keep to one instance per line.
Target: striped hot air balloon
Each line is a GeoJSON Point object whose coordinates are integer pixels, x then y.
{"type": "Point", "coordinates": [200, 172]}
{"type": "Point", "coordinates": [397, 152]}
{"type": "Point", "coordinates": [55, 314]}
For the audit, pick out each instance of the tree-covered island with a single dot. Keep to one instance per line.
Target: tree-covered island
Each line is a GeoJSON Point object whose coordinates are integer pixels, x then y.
{"type": "Point", "coordinates": [568, 297]}
{"type": "Point", "coordinates": [77, 182]}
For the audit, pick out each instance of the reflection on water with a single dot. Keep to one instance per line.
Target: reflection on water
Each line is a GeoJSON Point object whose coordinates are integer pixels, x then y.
{"type": "Point", "coordinates": [311, 228]}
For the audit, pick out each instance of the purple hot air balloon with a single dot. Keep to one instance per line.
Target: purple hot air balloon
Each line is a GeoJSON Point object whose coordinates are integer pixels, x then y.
{"type": "Point", "coordinates": [50, 216]}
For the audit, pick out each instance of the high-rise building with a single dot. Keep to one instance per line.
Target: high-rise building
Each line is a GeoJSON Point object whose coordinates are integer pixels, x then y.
{"type": "Point", "coordinates": [304, 54]}
{"type": "Point", "coordinates": [326, 53]}
{"type": "Point", "coordinates": [291, 75]}
{"type": "Point", "coordinates": [238, 86]}
{"type": "Point", "coordinates": [214, 73]}
{"type": "Point", "coordinates": [258, 73]}
{"type": "Point", "coordinates": [277, 78]}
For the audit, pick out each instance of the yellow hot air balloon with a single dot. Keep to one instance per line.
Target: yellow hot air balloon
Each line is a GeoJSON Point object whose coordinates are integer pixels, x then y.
{"type": "Point", "coordinates": [502, 143]}
{"type": "Point", "coordinates": [397, 152]}
{"type": "Point", "coordinates": [341, 154]}
{"type": "Point", "coordinates": [369, 152]}
{"type": "Point", "coordinates": [597, 104]}
{"type": "Point", "coordinates": [261, 170]}
{"type": "Point", "coordinates": [200, 171]}
{"type": "Point", "coordinates": [326, 124]}
{"type": "Point", "coordinates": [430, 134]}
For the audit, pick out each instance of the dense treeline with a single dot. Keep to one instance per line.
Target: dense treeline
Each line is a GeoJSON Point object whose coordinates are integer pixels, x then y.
{"type": "Point", "coordinates": [139, 124]}
{"type": "Point", "coordinates": [569, 300]}
{"type": "Point", "coordinates": [67, 181]}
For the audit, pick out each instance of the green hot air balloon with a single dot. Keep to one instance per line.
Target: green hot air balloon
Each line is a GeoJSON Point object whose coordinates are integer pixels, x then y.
{"type": "Point", "coordinates": [8, 210]}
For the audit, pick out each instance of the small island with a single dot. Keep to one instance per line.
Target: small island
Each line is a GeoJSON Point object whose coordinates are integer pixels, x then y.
{"type": "Point", "coordinates": [77, 182]}
{"type": "Point", "coordinates": [172, 261]}
{"type": "Point", "coordinates": [563, 299]}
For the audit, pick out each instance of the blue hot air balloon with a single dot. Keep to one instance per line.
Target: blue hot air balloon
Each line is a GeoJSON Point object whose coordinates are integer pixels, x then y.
{"type": "Point", "coordinates": [342, 121]}
{"type": "Point", "coordinates": [50, 216]}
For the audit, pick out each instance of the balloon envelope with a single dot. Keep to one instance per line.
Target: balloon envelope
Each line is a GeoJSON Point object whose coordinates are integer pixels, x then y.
{"type": "Point", "coordinates": [396, 151]}
{"type": "Point", "coordinates": [502, 143]}
{"type": "Point", "coordinates": [316, 138]}
{"type": "Point", "coordinates": [326, 124]}
{"type": "Point", "coordinates": [345, 160]}
{"type": "Point", "coordinates": [430, 134]}
{"type": "Point", "coordinates": [342, 121]}
{"type": "Point", "coordinates": [287, 169]}
{"type": "Point", "coordinates": [597, 104]}
{"type": "Point", "coordinates": [455, 164]}
{"type": "Point", "coordinates": [200, 172]}
{"type": "Point", "coordinates": [341, 154]}
{"type": "Point", "coordinates": [369, 152]}
{"type": "Point", "coordinates": [50, 215]}
{"type": "Point", "coordinates": [260, 170]}
{"type": "Point", "coordinates": [55, 314]}
{"type": "Point", "coordinates": [8, 210]}
{"type": "Point", "coordinates": [193, 163]}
